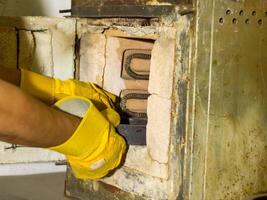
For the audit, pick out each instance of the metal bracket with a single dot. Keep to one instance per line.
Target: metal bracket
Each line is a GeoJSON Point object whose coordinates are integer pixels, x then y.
{"type": "Point", "coordinates": [128, 11]}
{"type": "Point", "coordinates": [134, 134]}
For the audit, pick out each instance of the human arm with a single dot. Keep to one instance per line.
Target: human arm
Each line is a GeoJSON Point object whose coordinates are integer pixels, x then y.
{"type": "Point", "coordinates": [25, 120]}
{"type": "Point", "coordinates": [90, 141]}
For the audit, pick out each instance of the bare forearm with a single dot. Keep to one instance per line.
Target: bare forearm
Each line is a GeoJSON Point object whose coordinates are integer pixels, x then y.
{"type": "Point", "coordinates": [27, 121]}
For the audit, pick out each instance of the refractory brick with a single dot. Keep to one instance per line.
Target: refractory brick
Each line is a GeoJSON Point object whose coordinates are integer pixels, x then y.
{"type": "Point", "coordinates": [158, 128]}
{"type": "Point", "coordinates": [162, 67]}
{"type": "Point", "coordinates": [92, 58]}
{"type": "Point", "coordinates": [36, 52]}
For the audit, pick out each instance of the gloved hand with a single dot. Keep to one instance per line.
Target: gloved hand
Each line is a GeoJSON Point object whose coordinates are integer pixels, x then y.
{"type": "Point", "coordinates": [51, 90]}
{"type": "Point", "coordinates": [95, 148]}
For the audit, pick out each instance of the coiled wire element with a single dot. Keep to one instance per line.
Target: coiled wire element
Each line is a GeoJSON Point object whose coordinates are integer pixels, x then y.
{"type": "Point", "coordinates": [133, 96]}
{"type": "Point", "coordinates": [130, 71]}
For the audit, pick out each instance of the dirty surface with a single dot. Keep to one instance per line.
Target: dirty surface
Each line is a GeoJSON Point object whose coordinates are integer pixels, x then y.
{"type": "Point", "coordinates": [127, 2]}
{"type": "Point", "coordinates": [95, 190]}
{"type": "Point", "coordinates": [129, 8]}
{"type": "Point", "coordinates": [227, 136]}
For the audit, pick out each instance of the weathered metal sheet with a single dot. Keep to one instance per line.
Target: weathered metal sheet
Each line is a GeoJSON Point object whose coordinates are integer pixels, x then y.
{"type": "Point", "coordinates": [128, 8]}
{"type": "Point", "coordinates": [125, 2]}
{"type": "Point", "coordinates": [134, 134]}
{"type": "Point", "coordinates": [227, 137]}
{"type": "Point", "coordinates": [122, 11]}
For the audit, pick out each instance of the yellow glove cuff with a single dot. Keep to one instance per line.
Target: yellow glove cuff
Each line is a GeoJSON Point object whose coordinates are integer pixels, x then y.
{"type": "Point", "coordinates": [91, 131]}
{"type": "Point", "coordinates": [95, 148]}
{"type": "Point", "coordinates": [112, 116]}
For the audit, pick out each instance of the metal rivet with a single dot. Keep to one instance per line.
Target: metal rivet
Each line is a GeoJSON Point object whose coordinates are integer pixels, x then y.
{"type": "Point", "coordinates": [241, 13]}
{"type": "Point", "coordinates": [221, 20]}
{"type": "Point", "coordinates": [260, 22]}
{"type": "Point", "coordinates": [254, 13]}
{"type": "Point", "coordinates": [234, 21]}
{"type": "Point", "coordinates": [247, 21]}
{"type": "Point", "coordinates": [228, 12]}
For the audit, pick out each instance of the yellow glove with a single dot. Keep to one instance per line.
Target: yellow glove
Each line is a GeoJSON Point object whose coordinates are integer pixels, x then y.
{"type": "Point", "coordinates": [95, 148]}
{"type": "Point", "coordinates": [51, 90]}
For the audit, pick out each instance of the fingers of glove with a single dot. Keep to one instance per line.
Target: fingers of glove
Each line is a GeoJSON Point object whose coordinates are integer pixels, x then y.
{"type": "Point", "coordinates": [95, 148]}
{"type": "Point", "coordinates": [87, 90]}
{"type": "Point", "coordinates": [111, 97]}
{"type": "Point", "coordinates": [74, 88]}
{"type": "Point", "coordinates": [98, 166]}
{"type": "Point", "coordinates": [112, 116]}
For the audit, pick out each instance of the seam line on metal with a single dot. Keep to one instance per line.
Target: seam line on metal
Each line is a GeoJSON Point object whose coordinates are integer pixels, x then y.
{"type": "Point", "coordinates": [193, 108]}
{"type": "Point", "coordinates": [209, 99]}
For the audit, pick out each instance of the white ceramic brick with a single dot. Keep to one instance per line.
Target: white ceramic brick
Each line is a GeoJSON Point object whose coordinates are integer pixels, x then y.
{"type": "Point", "coordinates": [92, 58]}
{"type": "Point", "coordinates": [85, 27]}
{"type": "Point", "coordinates": [36, 52]}
{"type": "Point", "coordinates": [63, 45]}
{"type": "Point", "coordinates": [48, 46]}
{"type": "Point", "coordinates": [138, 159]}
{"type": "Point", "coordinates": [158, 128]}
{"type": "Point", "coordinates": [8, 46]}
{"type": "Point", "coordinates": [162, 66]}
{"type": "Point", "coordinates": [135, 182]}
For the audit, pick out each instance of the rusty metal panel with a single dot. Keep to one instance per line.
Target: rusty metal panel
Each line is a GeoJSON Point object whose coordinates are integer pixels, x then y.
{"type": "Point", "coordinates": [125, 2]}
{"type": "Point", "coordinates": [128, 8]}
{"type": "Point", "coordinates": [122, 11]}
{"type": "Point", "coordinates": [227, 133]}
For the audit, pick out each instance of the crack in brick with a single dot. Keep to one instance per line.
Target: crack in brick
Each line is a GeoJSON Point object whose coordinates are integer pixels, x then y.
{"type": "Point", "coordinates": [105, 60]}
{"type": "Point", "coordinates": [77, 55]}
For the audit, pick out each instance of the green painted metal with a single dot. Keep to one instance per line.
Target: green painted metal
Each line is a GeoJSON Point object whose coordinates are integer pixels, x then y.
{"type": "Point", "coordinates": [227, 131]}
